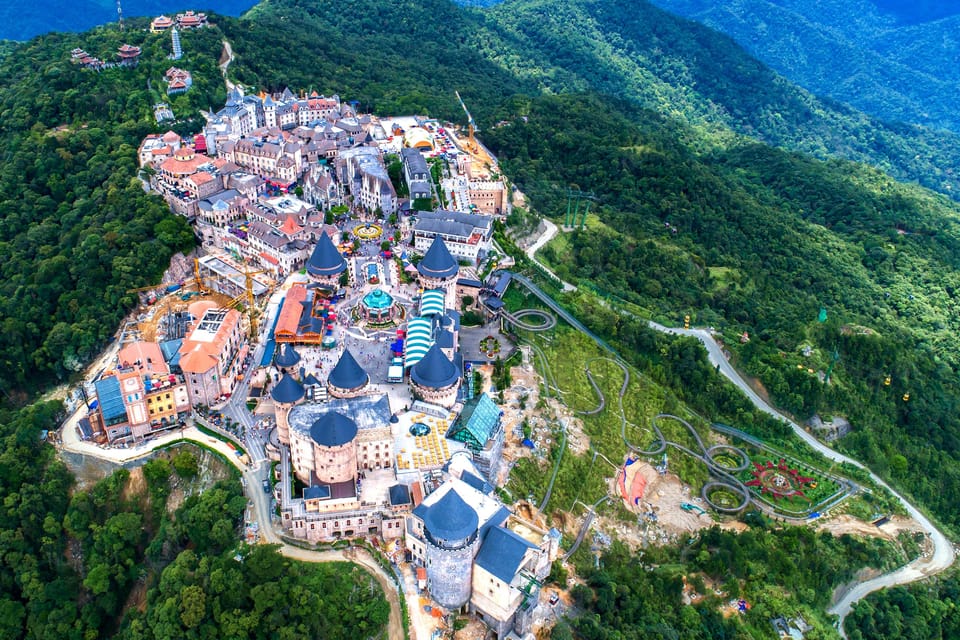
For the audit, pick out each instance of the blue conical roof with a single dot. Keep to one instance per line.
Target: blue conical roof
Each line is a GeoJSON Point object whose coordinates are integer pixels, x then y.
{"type": "Point", "coordinates": [288, 390]}
{"type": "Point", "coordinates": [326, 260]}
{"type": "Point", "coordinates": [348, 374]}
{"type": "Point", "coordinates": [450, 518]}
{"type": "Point", "coordinates": [286, 356]}
{"type": "Point", "coordinates": [435, 370]}
{"type": "Point", "coordinates": [437, 262]}
{"type": "Point", "coordinates": [333, 429]}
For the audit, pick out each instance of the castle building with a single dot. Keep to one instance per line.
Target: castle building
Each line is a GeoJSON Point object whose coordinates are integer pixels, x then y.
{"type": "Point", "coordinates": [468, 236]}
{"type": "Point", "coordinates": [451, 535]}
{"type": "Point", "coordinates": [285, 394]}
{"type": "Point", "coordinates": [435, 378]}
{"type": "Point", "coordinates": [326, 264]}
{"type": "Point", "coordinates": [287, 358]}
{"type": "Point", "coordinates": [348, 379]}
{"type": "Point", "coordinates": [438, 270]}
{"type": "Point", "coordinates": [334, 440]}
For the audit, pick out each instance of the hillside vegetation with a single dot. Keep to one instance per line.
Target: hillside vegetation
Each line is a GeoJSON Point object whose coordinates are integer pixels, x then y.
{"type": "Point", "coordinates": [17, 22]}
{"type": "Point", "coordinates": [894, 60]}
{"type": "Point", "coordinates": [759, 240]}
{"type": "Point", "coordinates": [660, 128]}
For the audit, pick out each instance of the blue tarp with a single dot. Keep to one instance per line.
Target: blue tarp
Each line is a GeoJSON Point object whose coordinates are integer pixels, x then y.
{"type": "Point", "coordinates": [271, 345]}
{"type": "Point", "coordinates": [527, 442]}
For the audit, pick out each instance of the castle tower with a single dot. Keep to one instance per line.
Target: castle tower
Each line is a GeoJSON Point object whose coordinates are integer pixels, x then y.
{"type": "Point", "coordinates": [451, 530]}
{"type": "Point", "coordinates": [435, 378]}
{"type": "Point", "coordinates": [286, 358]}
{"type": "Point", "coordinates": [348, 379]}
{"type": "Point", "coordinates": [438, 270]}
{"type": "Point", "coordinates": [285, 394]}
{"type": "Point", "coordinates": [269, 112]}
{"type": "Point", "coordinates": [334, 438]}
{"type": "Point", "coordinates": [326, 264]}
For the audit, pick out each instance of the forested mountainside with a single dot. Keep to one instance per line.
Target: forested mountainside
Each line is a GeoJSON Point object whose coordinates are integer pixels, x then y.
{"type": "Point", "coordinates": [656, 125]}
{"type": "Point", "coordinates": [634, 51]}
{"type": "Point", "coordinates": [894, 60]}
{"type": "Point", "coordinates": [758, 240]}
{"type": "Point", "coordinates": [22, 21]}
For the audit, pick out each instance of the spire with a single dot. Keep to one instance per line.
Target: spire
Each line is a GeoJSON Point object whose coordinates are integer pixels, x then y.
{"type": "Point", "coordinates": [326, 260]}
{"type": "Point", "coordinates": [437, 262]}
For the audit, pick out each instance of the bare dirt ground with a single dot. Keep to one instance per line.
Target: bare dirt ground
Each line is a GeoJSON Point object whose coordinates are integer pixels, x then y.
{"type": "Point", "coordinates": [844, 523]}
{"type": "Point", "coordinates": [663, 496]}
{"type": "Point", "coordinates": [475, 630]}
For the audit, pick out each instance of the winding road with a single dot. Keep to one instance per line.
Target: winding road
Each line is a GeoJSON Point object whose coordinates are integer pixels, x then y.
{"type": "Point", "coordinates": [920, 568]}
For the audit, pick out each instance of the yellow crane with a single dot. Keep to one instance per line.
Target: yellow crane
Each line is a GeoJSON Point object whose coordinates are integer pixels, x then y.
{"type": "Point", "coordinates": [246, 296]}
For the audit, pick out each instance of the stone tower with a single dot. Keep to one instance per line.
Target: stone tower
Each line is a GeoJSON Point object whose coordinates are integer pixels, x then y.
{"type": "Point", "coordinates": [285, 394]}
{"type": "Point", "coordinates": [451, 530]}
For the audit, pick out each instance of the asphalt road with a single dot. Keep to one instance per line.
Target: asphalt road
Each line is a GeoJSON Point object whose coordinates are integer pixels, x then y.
{"type": "Point", "coordinates": [920, 568]}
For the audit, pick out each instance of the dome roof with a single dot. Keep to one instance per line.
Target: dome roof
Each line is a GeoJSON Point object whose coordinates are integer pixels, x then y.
{"type": "Point", "coordinates": [434, 371]}
{"type": "Point", "coordinates": [348, 374]}
{"type": "Point", "coordinates": [437, 262]}
{"type": "Point", "coordinates": [333, 429]}
{"type": "Point", "coordinates": [288, 390]}
{"type": "Point", "coordinates": [450, 518]}
{"type": "Point", "coordinates": [286, 356]}
{"type": "Point", "coordinates": [325, 260]}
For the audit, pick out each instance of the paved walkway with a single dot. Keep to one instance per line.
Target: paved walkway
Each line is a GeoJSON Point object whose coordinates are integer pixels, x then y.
{"type": "Point", "coordinates": [547, 236]}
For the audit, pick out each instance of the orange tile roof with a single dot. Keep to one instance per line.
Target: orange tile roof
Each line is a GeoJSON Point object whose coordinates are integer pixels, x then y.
{"type": "Point", "coordinates": [269, 258]}
{"type": "Point", "coordinates": [199, 356]}
{"type": "Point", "coordinates": [184, 166]}
{"type": "Point", "coordinates": [290, 226]}
{"type": "Point", "coordinates": [148, 354]}
{"type": "Point", "coordinates": [291, 310]}
{"type": "Point", "coordinates": [201, 177]}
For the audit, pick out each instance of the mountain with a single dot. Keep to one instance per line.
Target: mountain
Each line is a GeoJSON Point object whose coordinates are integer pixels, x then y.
{"type": "Point", "coordinates": [894, 60]}
{"type": "Point", "coordinates": [666, 121]}
{"type": "Point", "coordinates": [20, 22]}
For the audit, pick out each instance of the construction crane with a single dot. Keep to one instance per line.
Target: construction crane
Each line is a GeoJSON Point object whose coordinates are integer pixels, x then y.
{"type": "Point", "coordinates": [246, 296]}
{"type": "Point", "coordinates": [471, 125]}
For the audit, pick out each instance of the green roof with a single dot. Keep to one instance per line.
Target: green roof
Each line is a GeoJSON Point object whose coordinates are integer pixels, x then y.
{"type": "Point", "coordinates": [477, 421]}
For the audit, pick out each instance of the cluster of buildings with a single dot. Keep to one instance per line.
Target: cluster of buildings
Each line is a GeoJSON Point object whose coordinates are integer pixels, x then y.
{"type": "Point", "coordinates": [258, 183]}
{"type": "Point", "coordinates": [155, 385]}
{"type": "Point", "coordinates": [178, 80]}
{"type": "Point", "coordinates": [127, 54]}
{"type": "Point", "coordinates": [185, 20]}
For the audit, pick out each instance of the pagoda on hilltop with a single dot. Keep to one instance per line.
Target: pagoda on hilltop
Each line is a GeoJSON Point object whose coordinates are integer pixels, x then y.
{"type": "Point", "coordinates": [129, 55]}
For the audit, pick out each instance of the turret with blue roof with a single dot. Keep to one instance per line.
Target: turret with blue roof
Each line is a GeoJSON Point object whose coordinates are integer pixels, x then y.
{"type": "Point", "coordinates": [450, 522]}
{"type": "Point", "coordinates": [347, 378]}
{"type": "Point", "coordinates": [434, 371]}
{"type": "Point", "coordinates": [437, 263]}
{"type": "Point", "coordinates": [286, 357]}
{"type": "Point", "coordinates": [285, 394]}
{"type": "Point", "coordinates": [287, 391]}
{"type": "Point", "coordinates": [325, 262]}
{"type": "Point", "coordinates": [333, 430]}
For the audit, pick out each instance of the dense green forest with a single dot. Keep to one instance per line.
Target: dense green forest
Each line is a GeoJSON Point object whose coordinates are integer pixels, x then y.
{"type": "Point", "coordinates": [926, 611]}
{"type": "Point", "coordinates": [398, 60]}
{"type": "Point", "coordinates": [893, 60]}
{"type": "Point", "coordinates": [642, 597]}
